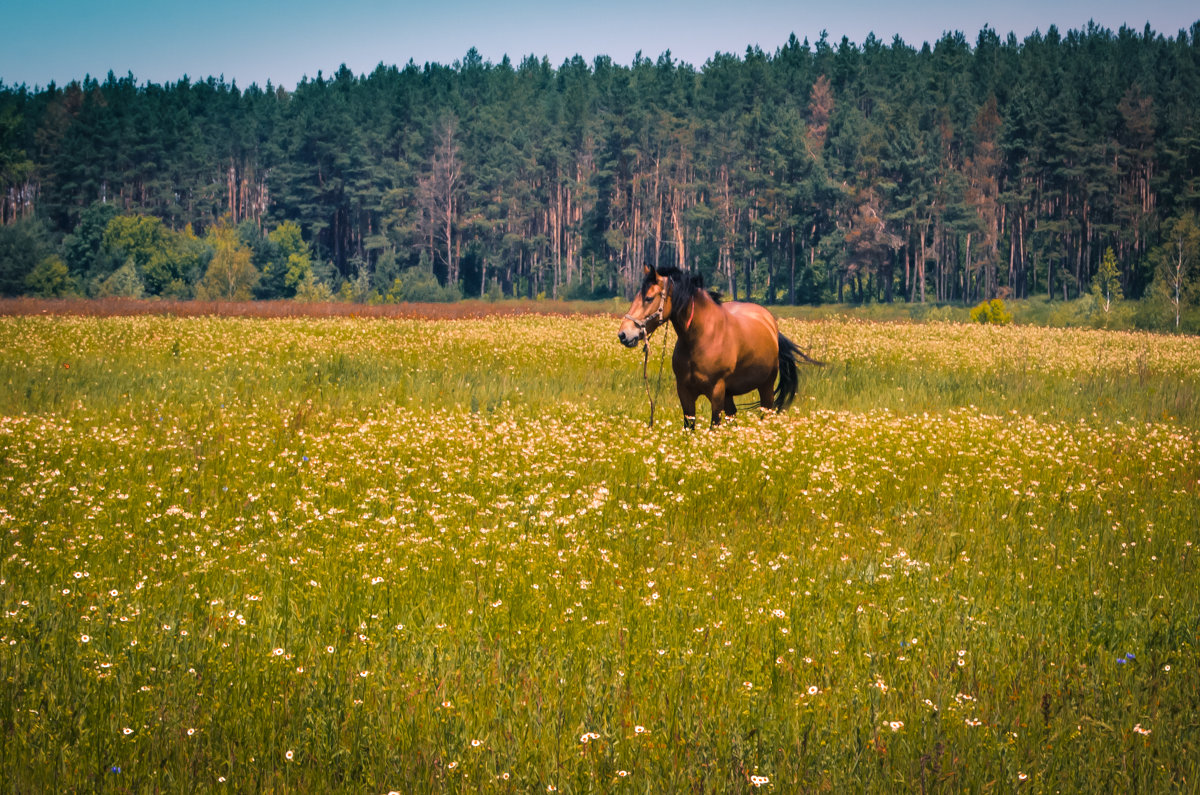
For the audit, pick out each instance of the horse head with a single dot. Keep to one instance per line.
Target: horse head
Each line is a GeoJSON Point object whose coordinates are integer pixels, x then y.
{"type": "Point", "coordinates": [661, 292]}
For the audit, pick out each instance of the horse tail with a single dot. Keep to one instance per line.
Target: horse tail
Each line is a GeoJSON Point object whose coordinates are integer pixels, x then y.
{"type": "Point", "coordinates": [790, 355]}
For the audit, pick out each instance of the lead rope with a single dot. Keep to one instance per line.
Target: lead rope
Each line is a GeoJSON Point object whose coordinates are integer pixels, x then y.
{"type": "Point", "coordinates": [653, 398]}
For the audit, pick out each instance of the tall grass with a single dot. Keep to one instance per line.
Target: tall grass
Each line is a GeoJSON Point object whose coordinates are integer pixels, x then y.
{"type": "Point", "coordinates": [351, 554]}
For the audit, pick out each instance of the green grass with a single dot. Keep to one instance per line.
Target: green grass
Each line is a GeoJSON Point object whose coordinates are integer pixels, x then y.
{"type": "Point", "coordinates": [358, 555]}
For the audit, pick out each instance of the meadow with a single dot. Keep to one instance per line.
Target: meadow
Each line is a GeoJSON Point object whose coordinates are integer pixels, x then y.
{"type": "Point", "coordinates": [406, 554]}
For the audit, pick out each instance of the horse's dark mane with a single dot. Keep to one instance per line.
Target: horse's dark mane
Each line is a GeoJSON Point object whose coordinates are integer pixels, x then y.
{"type": "Point", "coordinates": [684, 285]}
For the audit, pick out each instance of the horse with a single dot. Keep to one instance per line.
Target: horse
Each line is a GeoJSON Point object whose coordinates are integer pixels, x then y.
{"type": "Point", "coordinates": [722, 349]}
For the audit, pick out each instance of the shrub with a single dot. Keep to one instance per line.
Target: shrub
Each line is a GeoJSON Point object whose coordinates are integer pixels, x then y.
{"type": "Point", "coordinates": [418, 285]}
{"type": "Point", "coordinates": [49, 279]}
{"type": "Point", "coordinates": [992, 312]}
{"type": "Point", "coordinates": [123, 283]}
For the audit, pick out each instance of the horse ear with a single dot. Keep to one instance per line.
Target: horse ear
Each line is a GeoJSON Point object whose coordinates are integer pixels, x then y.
{"type": "Point", "coordinates": [646, 271]}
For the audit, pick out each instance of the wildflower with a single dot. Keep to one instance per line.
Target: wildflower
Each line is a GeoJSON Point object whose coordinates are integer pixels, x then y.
{"type": "Point", "coordinates": [639, 729]}
{"type": "Point", "coordinates": [759, 781]}
{"type": "Point", "coordinates": [1022, 776]}
{"type": "Point", "coordinates": [85, 639]}
{"type": "Point", "coordinates": [288, 756]}
{"type": "Point", "coordinates": [476, 743]}
{"type": "Point", "coordinates": [127, 731]}
{"type": "Point", "coordinates": [1138, 728]}
{"type": "Point", "coordinates": [896, 725]}
{"type": "Point", "coordinates": [191, 732]}
{"type": "Point", "coordinates": [329, 650]}
{"type": "Point", "coordinates": [813, 690]}
{"type": "Point", "coordinates": [278, 652]}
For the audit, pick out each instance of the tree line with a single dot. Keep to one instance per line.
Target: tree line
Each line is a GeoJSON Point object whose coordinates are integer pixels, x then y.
{"type": "Point", "coordinates": [831, 171]}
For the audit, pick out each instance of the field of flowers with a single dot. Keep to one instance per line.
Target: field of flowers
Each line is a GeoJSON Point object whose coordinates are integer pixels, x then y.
{"type": "Point", "coordinates": [373, 555]}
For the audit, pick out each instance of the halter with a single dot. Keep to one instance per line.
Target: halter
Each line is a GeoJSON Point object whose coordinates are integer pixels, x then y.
{"type": "Point", "coordinates": [657, 315]}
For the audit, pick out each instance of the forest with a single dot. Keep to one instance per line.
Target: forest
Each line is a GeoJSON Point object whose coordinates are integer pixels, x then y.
{"type": "Point", "coordinates": [952, 172]}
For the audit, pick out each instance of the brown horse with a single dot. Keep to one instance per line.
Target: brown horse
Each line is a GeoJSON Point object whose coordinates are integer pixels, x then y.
{"type": "Point", "coordinates": [723, 349]}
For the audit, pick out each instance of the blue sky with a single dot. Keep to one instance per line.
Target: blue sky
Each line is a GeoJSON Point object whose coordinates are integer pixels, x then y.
{"type": "Point", "coordinates": [252, 41]}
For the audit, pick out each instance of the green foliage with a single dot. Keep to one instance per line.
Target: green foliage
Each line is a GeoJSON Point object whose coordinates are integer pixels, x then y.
{"type": "Point", "coordinates": [231, 276]}
{"type": "Point", "coordinates": [124, 282]}
{"type": "Point", "coordinates": [164, 259]}
{"type": "Point", "coordinates": [50, 279]}
{"type": "Point", "coordinates": [22, 246]}
{"type": "Point", "coordinates": [862, 173]}
{"type": "Point", "coordinates": [287, 265]}
{"type": "Point", "coordinates": [418, 285]}
{"type": "Point", "coordinates": [1106, 286]}
{"type": "Point", "coordinates": [358, 289]}
{"type": "Point", "coordinates": [1176, 286]}
{"type": "Point", "coordinates": [310, 290]}
{"type": "Point", "coordinates": [83, 248]}
{"type": "Point", "coordinates": [992, 312]}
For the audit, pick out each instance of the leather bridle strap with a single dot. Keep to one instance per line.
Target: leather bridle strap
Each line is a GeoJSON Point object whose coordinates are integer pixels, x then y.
{"type": "Point", "coordinates": [657, 314]}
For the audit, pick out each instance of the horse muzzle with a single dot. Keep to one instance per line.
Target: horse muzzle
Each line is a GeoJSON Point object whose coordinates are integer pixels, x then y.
{"type": "Point", "coordinates": [629, 338]}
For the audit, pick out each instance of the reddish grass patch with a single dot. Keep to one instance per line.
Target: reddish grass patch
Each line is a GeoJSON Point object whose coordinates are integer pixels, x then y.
{"type": "Point", "coordinates": [110, 307]}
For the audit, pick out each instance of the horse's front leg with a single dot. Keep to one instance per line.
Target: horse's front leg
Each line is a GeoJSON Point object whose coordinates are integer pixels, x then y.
{"type": "Point", "coordinates": [717, 398]}
{"type": "Point", "coordinates": [687, 402]}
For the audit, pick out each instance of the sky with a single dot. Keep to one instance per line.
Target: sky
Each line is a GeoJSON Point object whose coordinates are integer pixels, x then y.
{"type": "Point", "coordinates": [248, 42]}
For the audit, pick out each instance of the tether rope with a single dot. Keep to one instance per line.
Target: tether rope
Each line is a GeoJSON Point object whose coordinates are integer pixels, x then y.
{"type": "Point", "coordinates": [653, 398]}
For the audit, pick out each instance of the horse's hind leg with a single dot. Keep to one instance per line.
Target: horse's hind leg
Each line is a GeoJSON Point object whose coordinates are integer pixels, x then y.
{"type": "Point", "coordinates": [766, 394]}
{"type": "Point", "coordinates": [730, 406]}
